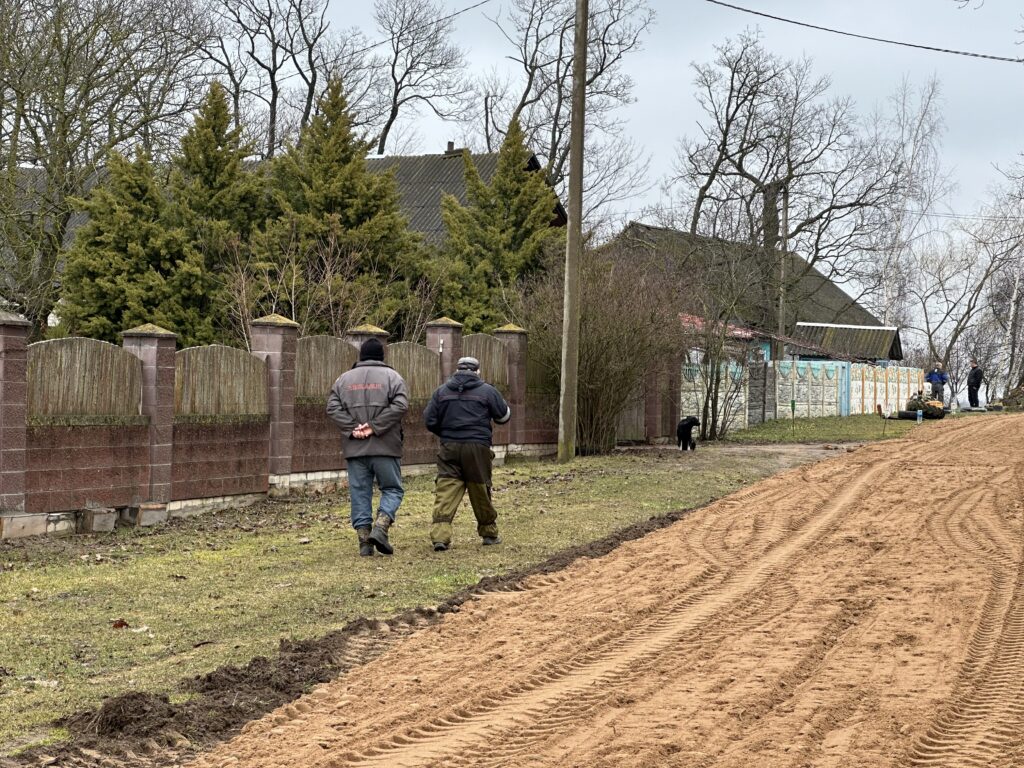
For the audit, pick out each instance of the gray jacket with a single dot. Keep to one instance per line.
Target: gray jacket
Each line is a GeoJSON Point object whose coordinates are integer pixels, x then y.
{"type": "Point", "coordinates": [371, 393]}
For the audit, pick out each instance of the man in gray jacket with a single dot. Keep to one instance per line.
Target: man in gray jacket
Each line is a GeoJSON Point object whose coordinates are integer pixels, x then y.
{"type": "Point", "coordinates": [368, 403]}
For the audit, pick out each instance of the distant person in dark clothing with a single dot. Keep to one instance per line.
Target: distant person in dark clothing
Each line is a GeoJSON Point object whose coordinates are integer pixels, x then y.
{"type": "Point", "coordinates": [460, 413]}
{"type": "Point", "coordinates": [974, 379]}
{"type": "Point", "coordinates": [938, 378]}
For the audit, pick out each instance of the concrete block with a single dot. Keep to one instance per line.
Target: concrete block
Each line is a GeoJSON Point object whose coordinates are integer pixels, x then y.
{"type": "Point", "coordinates": [61, 523]}
{"type": "Point", "coordinates": [97, 520]}
{"type": "Point", "coordinates": [145, 515]}
{"type": "Point", "coordinates": [20, 526]}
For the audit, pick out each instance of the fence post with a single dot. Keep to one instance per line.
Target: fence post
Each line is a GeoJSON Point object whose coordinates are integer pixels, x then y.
{"type": "Point", "coordinates": [444, 336]}
{"type": "Point", "coordinates": [517, 341]}
{"type": "Point", "coordinates": [652, 405]}
{"type": "Point", "coordinates": [155, 347]}
{"type": "Point", "coordinates": [274, 341]}
{"type": "Point", "coordinates": [356, 336]}
{"type": "Point", "coordinates": [13, 415]}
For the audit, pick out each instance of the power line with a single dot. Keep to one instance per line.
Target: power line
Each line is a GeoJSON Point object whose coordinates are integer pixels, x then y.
{"type": "Point", "coordinates": [432, 23]}
{"type": "Point", "coordinates": [654, 208]}
{"type": "Point", "coordinates": [867, 37]}
{"type": "Point", "coordinates": [386, 40]}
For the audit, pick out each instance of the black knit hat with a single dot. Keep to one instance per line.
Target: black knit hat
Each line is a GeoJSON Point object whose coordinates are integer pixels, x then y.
{"type": "Point", "coordinates": [371, 349]}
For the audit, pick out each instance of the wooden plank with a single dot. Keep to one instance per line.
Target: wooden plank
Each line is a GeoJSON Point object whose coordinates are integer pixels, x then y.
{"type": "Point", "coordinates": [219, 381]}
{"type": "Point", "coordinates": [419, 366]}
{"type": "Point", "coordinates": [83, 377]}
{"type": "Point", "coordinates": [493, 356]}
{"type": "Point", "coordinates": [319, 361]}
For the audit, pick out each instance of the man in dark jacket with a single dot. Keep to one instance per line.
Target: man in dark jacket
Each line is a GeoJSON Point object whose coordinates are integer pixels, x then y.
{"type": "Point", "coordinates": [974, 379]}
{"type": "Point", "coordinates": [368, 403]}
{"type": "Point", "coordinates": [460, 413]}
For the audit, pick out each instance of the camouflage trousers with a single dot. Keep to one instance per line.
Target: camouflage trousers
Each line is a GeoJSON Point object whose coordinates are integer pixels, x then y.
{"type": "Point", "coordinates": [462, 468]}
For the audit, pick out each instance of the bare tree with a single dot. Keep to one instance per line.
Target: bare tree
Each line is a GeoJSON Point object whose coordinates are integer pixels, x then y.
{"type": "Point", "coordinates": [629, 330]}
{"type": "Point", "coordinates": [424, 67]}
{"type": "Point", "coordinates": [78, 79]}
{"type": "Point", "coordinates": [275, 56]}
{"type": "Point", "coordinates": [793, 168]}
{"type": "Point", "coordinates": [952, 276]}
{"type": "Point", "coordinates": [540, 35]}
{"type": "Point", "coordinates": [913, 126]}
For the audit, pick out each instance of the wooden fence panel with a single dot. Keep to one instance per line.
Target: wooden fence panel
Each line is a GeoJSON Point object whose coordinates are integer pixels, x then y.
{"type": "Point", "coordinates": [83, 377]}
{"type": "Point", "coordinates": [319, 361]}
{"type": "Point", "coordinates": [419, 366]}
{"type": "Point", "coordinates": [493, 356]}
{"type": "Point", "coordinates": [219, 381]}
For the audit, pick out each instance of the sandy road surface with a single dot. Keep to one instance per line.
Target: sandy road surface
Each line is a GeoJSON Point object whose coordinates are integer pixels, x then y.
{"type": "Point", "coordinates": [860, 611]}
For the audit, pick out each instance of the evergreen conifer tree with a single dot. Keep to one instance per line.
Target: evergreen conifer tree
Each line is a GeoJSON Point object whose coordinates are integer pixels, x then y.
{"type": "Point", "coordinates": [499, 237]}
{"type": "Point", "coordinates": [340, 232]}
{"type": "Point", "coordinates": [218, 198]}
{"type": "Point", "coordinates": [130, 264]}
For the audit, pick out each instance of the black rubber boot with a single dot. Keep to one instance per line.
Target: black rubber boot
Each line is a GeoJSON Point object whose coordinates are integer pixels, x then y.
{"type": "Point", "coordinates": [379, 534]}
{"type": "Point", "coordinates": [365, 547]}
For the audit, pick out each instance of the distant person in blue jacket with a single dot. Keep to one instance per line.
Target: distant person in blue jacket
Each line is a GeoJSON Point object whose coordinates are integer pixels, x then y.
{"type": "Point", "coordinates": [938, 378]}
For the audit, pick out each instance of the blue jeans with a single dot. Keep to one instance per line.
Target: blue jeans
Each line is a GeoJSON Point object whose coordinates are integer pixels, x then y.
{"type": "Point", "coordinates": [362, 471]}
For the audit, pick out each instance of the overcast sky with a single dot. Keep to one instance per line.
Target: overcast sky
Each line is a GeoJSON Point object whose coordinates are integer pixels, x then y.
{"type": "Point", "coordinates": [984, 100]}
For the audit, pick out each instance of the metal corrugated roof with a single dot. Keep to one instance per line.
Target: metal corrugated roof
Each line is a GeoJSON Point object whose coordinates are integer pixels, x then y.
{"type": "Point", "coordinates": [423, 179]}
{"type": "Point", "coordinates": [852, 342]}
{"type": "Point", "coordinates": [813, 296]}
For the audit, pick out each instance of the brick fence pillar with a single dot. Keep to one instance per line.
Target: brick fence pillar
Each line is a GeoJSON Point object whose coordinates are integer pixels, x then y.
{"type": "Point", "coordinates": [516, 340]}
{"type": "Point", "coordinates": [653, 404]}
{"type": "Point", "coordinates": [356, 336]}
{"type": "Point", "coordinates": [444, 336]}
{"type": "Point", "coordinates": [274, 340]}
{"type": "Point", "coordinates": [13, 413]}
{"type": "Point", "coordinates": [155, 347]}
{"type": "Point", "coordinates": [675, 392]}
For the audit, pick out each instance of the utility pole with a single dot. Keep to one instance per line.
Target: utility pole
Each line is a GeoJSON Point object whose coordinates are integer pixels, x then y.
{"type": "Point", "coordinates": [780, 323]}
{"type": "Point", "coordinates": [573, 245]}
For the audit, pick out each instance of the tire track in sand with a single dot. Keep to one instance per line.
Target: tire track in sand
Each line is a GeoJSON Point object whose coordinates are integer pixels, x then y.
{"type": "Point", "coordinates": [470, 731]}
{"type": "Point", "coordinates": [984, 720]}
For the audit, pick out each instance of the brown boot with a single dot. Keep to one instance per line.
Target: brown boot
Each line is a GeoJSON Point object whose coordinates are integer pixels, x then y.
{"type": "Point", "coordinates": [379, 534]}
{"type": "Point", "coordinates": [365, 546]}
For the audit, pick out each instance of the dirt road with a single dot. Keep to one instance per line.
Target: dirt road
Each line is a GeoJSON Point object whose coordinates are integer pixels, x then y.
{"type": "Point", "coordinates": [867, 610]}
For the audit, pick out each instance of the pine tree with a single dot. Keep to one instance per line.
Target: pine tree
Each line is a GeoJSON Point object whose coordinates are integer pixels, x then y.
{"type": "Point", "coordinates": [340, 225]}
{"type": "Point", "coordinates": [218, 198]}
{"type": "Point", "coordinates": [128, 261]}
{"type": "Point", "coordinates": [499, 237]}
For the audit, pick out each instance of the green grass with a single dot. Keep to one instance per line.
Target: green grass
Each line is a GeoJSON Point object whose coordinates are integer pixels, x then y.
{"type": "Point", "coordinates": [222, 588]}
{"type": "Point", "coordinates": [825, 429]}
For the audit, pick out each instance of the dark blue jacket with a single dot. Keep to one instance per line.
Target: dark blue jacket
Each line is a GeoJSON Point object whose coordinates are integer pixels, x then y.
{"type": "Point", "coordinates": [462, 409]}
{"type": "Point", "coordinates": [937, 377]}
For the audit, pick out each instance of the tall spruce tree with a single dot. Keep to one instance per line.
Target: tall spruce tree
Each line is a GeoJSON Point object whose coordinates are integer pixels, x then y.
{"type": "Point", "coordinates": [219, 202]}
{"type": "Point", "coordinates": [340, 232]}
{"type": "Point", "coordinates": [218, 197]}
{"type": "Point", "coordinates": [499, 237]}
{"type": "Point", "coordinates": [130, 264]}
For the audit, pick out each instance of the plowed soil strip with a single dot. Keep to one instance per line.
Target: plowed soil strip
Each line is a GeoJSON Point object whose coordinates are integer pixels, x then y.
{"type": "Point", "coordinates": [867, 610]}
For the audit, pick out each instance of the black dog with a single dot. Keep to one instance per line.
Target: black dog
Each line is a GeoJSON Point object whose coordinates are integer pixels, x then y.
{"type": "Point", "coordinates": [684, 433]}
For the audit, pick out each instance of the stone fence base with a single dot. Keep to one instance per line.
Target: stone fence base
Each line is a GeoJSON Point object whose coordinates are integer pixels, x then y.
{"type": "Point", "coordinates": [102, 520]}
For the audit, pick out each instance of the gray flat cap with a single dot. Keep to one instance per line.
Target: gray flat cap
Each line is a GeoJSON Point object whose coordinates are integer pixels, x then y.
{"type": "Point", "coordinates": [468, 364]}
